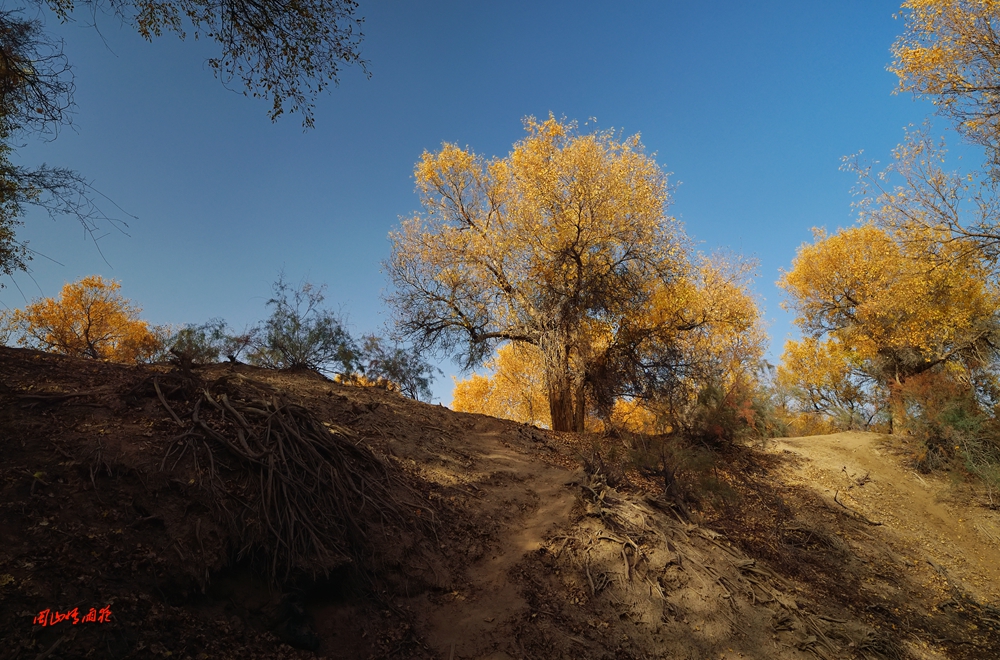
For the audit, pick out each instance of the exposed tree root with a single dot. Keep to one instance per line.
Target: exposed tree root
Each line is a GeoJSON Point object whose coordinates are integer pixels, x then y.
{"type": "Point", "coordinates": [651, 544]}
{"type": "Point", "coordinates": [306, 495]}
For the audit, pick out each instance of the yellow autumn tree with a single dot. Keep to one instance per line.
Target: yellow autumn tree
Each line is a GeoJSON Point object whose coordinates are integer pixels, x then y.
{"type": "Point", "coordinates": [718, 397]}
{"type": "Point", "coordinates": [561, 245]}
{"type": "Point", "coordinates": [881, 306]}
{"type": "Point", "coordinates": [722, 345]}
{"type": "Point", "coordinates": [729, 342]}
{"type": "Point", "coordinates": [899, 313]}
{"type": "Point", "coordinates": [515, 390]}
{"type": "Point", "coordinates": [949, 54]}
{"type": "Point", "coordinates": [821, 378]}
{"type": "Point", "coordinates": [91, 319]}
{"type": "Point", "coordinates": [939, 213]}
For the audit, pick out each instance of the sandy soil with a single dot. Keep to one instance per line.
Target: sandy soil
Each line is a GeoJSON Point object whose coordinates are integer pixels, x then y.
{"type": "Point", "coordinates": [930, 522]}
{"type": "Point", "coordinates": [825, 547]}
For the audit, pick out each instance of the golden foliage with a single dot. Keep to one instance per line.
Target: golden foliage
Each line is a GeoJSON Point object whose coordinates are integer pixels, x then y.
{"type": "Point", "coordinates": [731, 339]}
{"type": "Point", "coordinates": [877, 309]}
{"type": "Point", "coordinates": [516, 390]}
{"type": "Point", "coordinates": [556, 246]}
{"type": "Point", "coordinates": [633, 415]}
{"type": "Point", "coordinates": [949, 53]}
{"type": "Point", "coordinates": [821, 377]}
{"type": "Point", "coordinates": [90, 318]}
{"type": "Point", "coordinates": [892, 308]}
{"type": "Point", "coordinates": [724, 347]}
{"type": "Point", "coordinates": [360, 380]}
{"type": "Point", "coordinates": [938, 213]}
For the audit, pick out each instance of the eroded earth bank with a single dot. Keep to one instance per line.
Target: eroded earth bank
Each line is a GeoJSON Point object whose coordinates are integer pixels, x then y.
{"type": "Point", "coordinates": [234, 512]}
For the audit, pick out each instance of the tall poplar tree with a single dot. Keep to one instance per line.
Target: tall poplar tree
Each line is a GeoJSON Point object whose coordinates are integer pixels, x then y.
{"type": "Point", "coordinates": [566, 245]}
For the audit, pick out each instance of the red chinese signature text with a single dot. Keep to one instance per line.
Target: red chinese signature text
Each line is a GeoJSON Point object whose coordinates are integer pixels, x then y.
{"type": "Point", "coordinates": [51, 617]}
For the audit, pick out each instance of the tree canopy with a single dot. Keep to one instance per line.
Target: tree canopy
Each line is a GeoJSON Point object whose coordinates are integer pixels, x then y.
{"type": "Point", "coordinates": [565, 246]}
{"type": "Point", "coordinates": [284, 52]}
{"type": "Point", "coordinates": [722, 352]}
{"type": "Point", "coordinates": [90, 319]}
{"type": "Point", "coordinates": [515, 390]}
{"type": "Point", "coordinates": [877, 309]}
{"type": "Point", "coordinates": [557, 245]}
{"type": "Point", "coordinates": [902, 314]}
{"type": "Point", "coordinates": [950, 53]}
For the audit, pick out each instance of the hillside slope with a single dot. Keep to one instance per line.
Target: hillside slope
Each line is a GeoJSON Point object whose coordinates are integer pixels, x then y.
{"type": "Point", "coordinates": [503, 546]}
{"type": "Point", "coordinates": [923, 548]}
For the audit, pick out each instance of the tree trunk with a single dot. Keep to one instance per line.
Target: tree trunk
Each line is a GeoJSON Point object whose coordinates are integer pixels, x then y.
{"type": "Point", "coordinates": [566, 406]}
{"type": "Point", "coordinates": [567, 411]}
{"type": "Point", "coordinates": [580, 409]}
{"type": "Point", "coordinates": [561, 405]}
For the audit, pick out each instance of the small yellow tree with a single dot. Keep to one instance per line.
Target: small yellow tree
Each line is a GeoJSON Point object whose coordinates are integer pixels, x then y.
{"type": "Point", "coordinates": [516, 391]}
{"type": "Point", "coordinates": [90, 318]}
{"type": "Point", "coordinates": [821, 379]}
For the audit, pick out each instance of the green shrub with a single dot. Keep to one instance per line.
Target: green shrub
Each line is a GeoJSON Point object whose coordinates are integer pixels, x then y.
{"type": "Point", "coordinates": [205, 343]}
{"type": "Point", "coordinates": [738, 413]}
{"type": "Point", "coordinates": [405, 369]}
{"type": "Point", "coordinates": [302, 334]}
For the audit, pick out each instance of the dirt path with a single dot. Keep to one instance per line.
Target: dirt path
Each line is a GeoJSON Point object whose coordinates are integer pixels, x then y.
{"type": "Point", "coordinates": [513, 594]}
{"type": "Point", "coordinates": [928, 521]}
{"type": "Point", "coordinates": [532, 499]}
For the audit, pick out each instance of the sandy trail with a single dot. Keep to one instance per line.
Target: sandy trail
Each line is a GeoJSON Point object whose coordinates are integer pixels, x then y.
{"type": "Point", "coordinates": [926, 519]}
{"type": "Point", "coordinates": [531, 500]}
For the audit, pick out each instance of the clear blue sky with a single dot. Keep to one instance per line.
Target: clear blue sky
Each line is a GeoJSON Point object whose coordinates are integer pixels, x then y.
{"type": "Point", "coordinates": [750, 105]}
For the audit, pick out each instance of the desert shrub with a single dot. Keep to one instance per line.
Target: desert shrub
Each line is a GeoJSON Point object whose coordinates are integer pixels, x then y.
{"type": "Point", "coordinates": [8, 327]}
{"type": "Point", "coordinates": [981, 457]}
{"type": "Point", "coordinates": [935, 410]}
{"type": "Point", "coordinates": [687, 469]}
{"type": "Point", "coordinates": [205, 343]}
{"type": "Point", "coordinates": [397, 367]}
{"type": "Point", "coordinates": [951, 426]}
{"type": "Point", "coordinates": [201, 343]}
{"type": "Point", "coordinates": [302, 334]}
{"type": "Point", "coordinates": [739, 412]}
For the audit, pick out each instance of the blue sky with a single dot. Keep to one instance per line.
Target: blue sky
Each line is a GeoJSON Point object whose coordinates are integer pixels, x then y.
{"type": "Point", "coordinates": [750, 105]}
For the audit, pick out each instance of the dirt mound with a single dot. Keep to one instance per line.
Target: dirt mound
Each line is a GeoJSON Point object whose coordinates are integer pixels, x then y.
{"type": "Point", "coordinates": [403, 530]}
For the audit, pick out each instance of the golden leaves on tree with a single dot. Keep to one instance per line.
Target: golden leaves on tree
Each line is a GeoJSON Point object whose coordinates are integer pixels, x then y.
{"type": "Point", "coordinates": [90, 318]}
{"type": "Point", "coordinates": [949, 54]}
{"type": "Point", "coordinates": [878, 307]}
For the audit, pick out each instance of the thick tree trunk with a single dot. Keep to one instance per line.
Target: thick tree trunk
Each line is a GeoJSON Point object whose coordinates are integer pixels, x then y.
{"type": "Point", "coordinates": [566, 406]}
{"type": "Point", "coordinates": [566, 401]}
{"type": "Point", "coordinates": [580, 409]}
{"type": "Point", "coordinates": [561, 406]}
